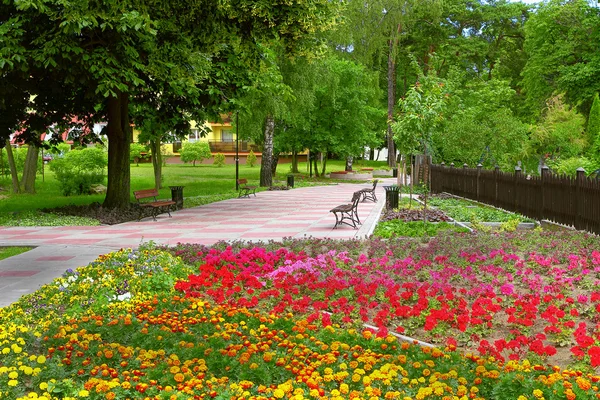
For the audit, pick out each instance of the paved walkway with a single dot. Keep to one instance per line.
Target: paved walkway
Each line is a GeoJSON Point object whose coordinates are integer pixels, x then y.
{"type": "Point", "coordinates": [271, 215]}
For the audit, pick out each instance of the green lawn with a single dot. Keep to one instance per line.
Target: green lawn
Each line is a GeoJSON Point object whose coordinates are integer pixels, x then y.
{"type": "Point", "coordinates": [200, 181]}
{"type": "Point", "coordinates": [6, 252]}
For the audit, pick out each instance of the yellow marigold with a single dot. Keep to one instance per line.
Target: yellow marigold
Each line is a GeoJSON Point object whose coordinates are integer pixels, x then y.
{"type": "Point", "coordinates": [538, 394]}
{"type": "Point", "coordinates": [279, 393]}
{"type": "Point", "coordinates": [583, 383]}
{"type": "Point", "coordinates": [83, 393]}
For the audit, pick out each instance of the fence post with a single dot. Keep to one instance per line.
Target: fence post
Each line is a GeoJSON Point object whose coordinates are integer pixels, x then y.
{"type": "Point", "coordinates": [464, 181]}
{"type": "Point", "coordinates": [479, 166]}
{"type": "Point", "coordinates": [515, 180]}
{"type": "Point", "coordinates": [578, 180]}
{"type": "Point", "coordinates": [496, 173]}
{"type": "Point", "coordinates": [545, 172]}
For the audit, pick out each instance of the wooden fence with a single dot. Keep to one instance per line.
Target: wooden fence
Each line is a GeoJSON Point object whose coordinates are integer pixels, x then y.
{"type": "Point", "coordinates": [563, 199]}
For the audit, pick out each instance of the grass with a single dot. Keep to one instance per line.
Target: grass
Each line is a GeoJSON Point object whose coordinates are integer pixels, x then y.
{"type": "Point", "coordinates": [204, 183]}
{"type": "Point", "coordinates": [6, 252]}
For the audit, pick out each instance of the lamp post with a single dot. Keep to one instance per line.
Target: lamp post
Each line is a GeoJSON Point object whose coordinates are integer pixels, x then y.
{"type": "Point", "coordinates": [237, 148]}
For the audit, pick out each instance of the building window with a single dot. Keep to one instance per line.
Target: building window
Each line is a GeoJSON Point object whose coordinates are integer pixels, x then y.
{"type": "Point", "coordinates": [226, 136]}
{"type": "Point", "coordinates": [194, 135]}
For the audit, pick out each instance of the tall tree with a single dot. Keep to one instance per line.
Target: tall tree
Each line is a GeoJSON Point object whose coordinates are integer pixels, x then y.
{"type": "Point", "coordinates": [103, 53]}
{"type": "Point", "coordinates": [376, 31]}
{"type": "Point", "coordinates": [593, 130]}
{"type": "Point", "coordinates": [561, 43]}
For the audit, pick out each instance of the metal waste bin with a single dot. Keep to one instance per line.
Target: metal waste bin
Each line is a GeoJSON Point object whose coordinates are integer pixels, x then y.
{"type": "Point", "coordinates": [177, 196]}
{"type": "Point", "coordinates": [392, 196]}
{"type": "Point", "coordinates": [395, 172]}
{"type": "Point", "coordinates": [290, 180]}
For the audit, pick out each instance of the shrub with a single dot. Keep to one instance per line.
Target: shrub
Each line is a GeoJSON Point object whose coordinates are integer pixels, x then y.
{"type": "Point", "coordinates": [78, 170]}
{"type": "Point", "coordinates": [196, 151]}
{"type": "Point", "coordinates": [59, 150]}
{"type": "Point", "coordinates": [251, 160]}
{"type": "Point", "coordinates": [137, 152]}
{"type": "Point", "coordinates": [219, 160]}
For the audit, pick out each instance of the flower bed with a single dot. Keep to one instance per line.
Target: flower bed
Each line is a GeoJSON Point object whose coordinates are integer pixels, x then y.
{"type": "Point", "coordinates": [284, 320]}
{"type": "Point", "coordinates": [348, 175]}
{"type": "Point", "coordinates": [465, 211]}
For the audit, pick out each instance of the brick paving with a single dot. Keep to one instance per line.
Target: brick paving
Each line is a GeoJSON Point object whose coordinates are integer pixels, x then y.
{"type": "Point", "coordinates": [271, 215]}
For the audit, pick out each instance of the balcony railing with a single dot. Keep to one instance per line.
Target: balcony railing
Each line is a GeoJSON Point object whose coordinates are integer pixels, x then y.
{"type": "Point", "coordinates": [218, 146]}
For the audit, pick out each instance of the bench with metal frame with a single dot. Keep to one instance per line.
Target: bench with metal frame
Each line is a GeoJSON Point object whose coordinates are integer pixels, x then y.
{"type": "Point", "coordinates": [369, 194]}
{"type": "Point", "coordinates": [245, 189]}
{"type": "Point", "coordinates": [347, 214]}
{"type": "Point", "coordinates": [155, 204]}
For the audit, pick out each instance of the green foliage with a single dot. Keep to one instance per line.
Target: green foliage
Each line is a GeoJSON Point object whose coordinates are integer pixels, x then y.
{"type": "Point", "coordinates": [593, 130]}
{"type": "Point", "coordinates": [137, 152]}
{"type": "Point", "coordinates": [481, 126]}
{"type": "Point", "coordinates": [219, 160]}
{"type": "Point", "coordinates": [195, 151]}
{"type": "Point", "coordinates": [560, 39]}
{"type": "Point", "coordinates": [78, 170]}
{"type": "Point", "coordinates": [251, 159]}
{"type": "Point", "coordinates": [510, 226]}
{"type": "Point", "coordinates": [38, 218]}
{"type": "Point", "coordinates": [59, 150]}
{"type": "Point", "coordinates": [560, 134]}
{"type": "Point", "coordinates": [568, 166]}
{"type": "Point", "coordinates": [394, 228]}
{"type": "Point", "coordinates": [422, 112]}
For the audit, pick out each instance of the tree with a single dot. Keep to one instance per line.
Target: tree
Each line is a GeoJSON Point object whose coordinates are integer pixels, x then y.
{"type": "Point", "coordinates": [345, 110]}
{"type": "Point", "coordinates": [560, 134]}
{"type": "Point", "coordinates": [422, 112]}
{"type": "Point", "coordinates": [103, 53]}
{"type": "Point", "coordinates": [561, 41]}
{"type": "Point", "coordinates": [593, 129]}
{"type": "Point", "coordinates": [196, 151]}
{"type": "Point", "coordinates": [378, 30]}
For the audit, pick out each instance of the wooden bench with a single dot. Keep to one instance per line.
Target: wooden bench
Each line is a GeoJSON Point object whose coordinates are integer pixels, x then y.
{"type": "Point", "coordinates": [245, 189]}
{"type": "Point", "coordinates": [369, 194]}
{"type": "Point", "coordinates": [155, 204]}
{"type": "Point", "coordinates": [348, 213]}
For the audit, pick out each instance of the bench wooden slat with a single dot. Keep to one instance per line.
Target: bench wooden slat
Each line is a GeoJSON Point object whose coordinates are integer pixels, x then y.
{"type": "Point", "coordinates": [155, 204]}
{"type": "Point", "coordinates": [348, 213]}
{"type": "Point", "coordinates": [245, 189]}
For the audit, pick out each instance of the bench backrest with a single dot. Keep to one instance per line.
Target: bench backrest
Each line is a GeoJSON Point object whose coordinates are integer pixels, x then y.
{"type": "Point", "coordinates": [356, 198]}
{"type": "Point", "coordinates": [375, 183]}
{"type": "Point", "coordinates": [143, 194]}
{"type": "Point", "coordinates": [242, 181]}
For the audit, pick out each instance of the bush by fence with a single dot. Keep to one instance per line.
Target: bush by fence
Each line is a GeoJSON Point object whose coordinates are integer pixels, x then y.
{"type": "Point", "coordinates": [573, 201]}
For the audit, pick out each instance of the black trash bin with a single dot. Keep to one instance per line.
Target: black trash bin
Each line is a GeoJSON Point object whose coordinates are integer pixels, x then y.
{"type": "Point", "coordinates": [395, 172]}
{"type": "Point", "coordinates": [290, 181]}
{"type": "Point", "coordinates": [392, 196]}
{"type": "Point", "coordinates": [177, 196]}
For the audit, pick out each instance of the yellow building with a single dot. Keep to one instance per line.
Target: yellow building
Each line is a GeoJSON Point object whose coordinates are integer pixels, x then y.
{"type": "Point", "coordinates": [220, 138]}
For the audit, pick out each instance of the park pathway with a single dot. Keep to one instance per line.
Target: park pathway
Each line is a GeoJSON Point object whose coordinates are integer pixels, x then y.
{"type": "Point", "coordinates": [271, 215]}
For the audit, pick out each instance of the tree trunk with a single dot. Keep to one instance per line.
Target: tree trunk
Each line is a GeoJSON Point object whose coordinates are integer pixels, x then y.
{"type": "Point", "coordinates": [391, 77]}
{"type": "Point", "coordinates": [295, 162]}
{"type": "Point", "coordinates": [266, 173]}
{"type": "Point", "coordinates": [324, 165]}
{"type": "Point", "coordinates": [316, 167]}
{"type": "Point", "coordinates": [30, 169]}
{"type": "Point", "coordinates": [372, 154]}
{"type": "Point", "coordinates": [274, 164]}
{"type": "Point", "coordinates": [13, 168]}
{"type": "Point", "coordinates": [119, 141]}
{"type": "Point", "coordinates": [156, 162]}
{"type": "Point", "coordinates": [349, 161]}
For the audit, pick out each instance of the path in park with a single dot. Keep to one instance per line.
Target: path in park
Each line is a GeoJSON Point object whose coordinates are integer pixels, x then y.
{"type": "Point", "coordinates": [271, 215]}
